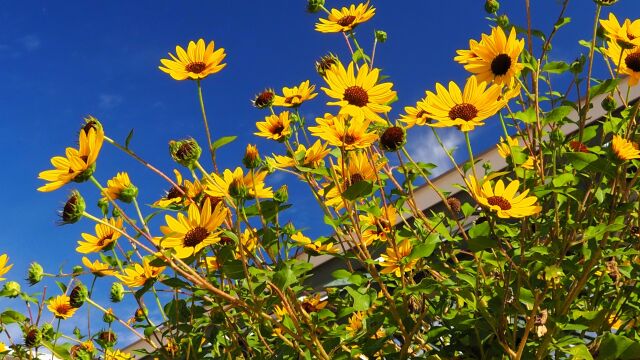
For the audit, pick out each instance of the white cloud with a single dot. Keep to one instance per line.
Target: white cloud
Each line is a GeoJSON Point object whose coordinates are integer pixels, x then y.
{"type": "Point", "coordinates": [109, 101]}
{"type": "Point", "coordinates": [424, 147]}
{"type": "Point", "coordinates": [30, 42]}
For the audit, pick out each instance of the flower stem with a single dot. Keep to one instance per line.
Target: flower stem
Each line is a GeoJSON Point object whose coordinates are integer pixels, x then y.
{"type": "Point", "coordinates": [471, 159]}
{"type": "Point", "coordinates": [206, 126]}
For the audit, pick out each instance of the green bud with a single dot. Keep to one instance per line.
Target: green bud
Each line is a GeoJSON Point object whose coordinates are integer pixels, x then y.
{"type": "Point", "coordinates": [577, 65]}
{"type": "Point", "coordinates": [73, 208]}
{"type": "Point", "coordinates": [115, 213]}
{"type": "Point", "coordinates": [393, 138]}
{"type": "Point", "coordinates": [35, 273]}
{"type": "Point", "coordinates": [117, 292]}
{"type": "Point", "coordinates": [78, 295]}
{"type": "Point", "coordinates": [47, 332]}
{"type": "Point", "coordinates": [381, 36]}
{"type": "Point", "coordinates": [11, 289]}
{"type": "Point", "coordinates": [108, 317]}
{"type": "Point", "coordinates": [503, 21]}
{"type": "Point", "coordinates": [128, 194]}
{"type": "Point", "coordinates": [313, 6]}
{"type": "Point", "coordinates": [103, 204]}
{"type": "Point", "coordinates": [32, 337]}
{"type": "Point", "coordinates": [282, 194]}
{"type": "Point", "coordinates": [609, 103]}
{"type": "Point", "coordinates": [251, 158]}
{"type": "Point", "coordinates": [77, 333]}
{"type": "Point", "coordinates": [605, 2]}
{"type": "Point", "coordinates": [141, 314]}
{"type": "Point", "coordinates": [238, 190]}
{"type": "Point", "coordinates": [185, 152]}
{"type": "Point", "coordinates": [491, 6]}
{"type": "Point", "coordinates": [289, 229]}
{"type": "Point", "coordinates": [77, 270]}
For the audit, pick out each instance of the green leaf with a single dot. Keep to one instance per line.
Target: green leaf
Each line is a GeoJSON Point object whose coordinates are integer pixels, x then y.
{"type": "Point", "coordinates": [557, 115]}
{"type": "Point", "coordinates": [341, 274]}
{"type": "Point", "coordinates": [284, 277]}
{"type": "Point", "coordinates": [11, 316]}
{"type": "Point", "coordinates": [62, 286]}
{"type": "Point", "coordinates": [233, 269]}
{"type": "Point", "coordinates": [175, 283]}
{"type": "Point", "coordinates": [358, 190]}
{"type": "Point", "coordinates": [604, 87]}
{"type": "Point", "coordinates": [222, 142]}
{"type": "Point", "coordinates": [555, 67]}
{"type": "Point", "coordinates": [426, 249]}
{"type": "Point", "coordinates": [528, 116]}
{"type": "Point", "coordinates": [581, 160]}
{"type": "Point", "coordinates": [618, 347]}
{"type": "Point", "coordinates": [361, 302]}
{"type": "Point", "coordinates": [579, 352]}
{"type": "Point", "coordinates": [127, 141]}
{"type": "Point", "coordinates": [561, 22]}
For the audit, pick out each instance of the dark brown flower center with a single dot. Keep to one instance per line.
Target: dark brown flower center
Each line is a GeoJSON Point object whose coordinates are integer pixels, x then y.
{"type": "Point", "coordinates": [105, 240]}
{"type": "Point", "coordinates": [346, 20]}
{"type": "Point", "coordinates": [349, 139]}
{"type": "Point", "coordinates": [501, 64]}
{"type": "Point", "coordinates": [290, 99]}
{"type": "Point", "coordinates": [421, 114]}
{"type": "Point", "coordinates": [69, 208]}
{"type": "Point", "coordinates": [195, 236]}
{"type": "Point", "coordinates": [355, 178]}
{"type": "Point", "coordinates": [503, 203]}
{"type": "Point", "coordinates": [174, 193]}
{"type": "Point", "coordinates": [463, 111]}
{"type": "Point", "coordinates": [196, 67]}
{"type": "Point", "coordinates": [355, 95]}
{"type": "Point", "coordinates": [633, 61]}
{"type": "Point", "coordinates": [264, 99]}
{"type": "Point", "coordinates": [277, 129]}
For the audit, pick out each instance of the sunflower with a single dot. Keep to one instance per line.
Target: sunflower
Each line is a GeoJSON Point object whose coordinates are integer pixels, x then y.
{"type": "Point", "coordinates": [183, 194]}
{"type": "Point", "coordinates": [187, 235]}
{"type": "Point", "coordinates": [358, 95]}
{"type": "Point", "coordinates": [77, 164]}
{"type": "Point", "coordinates": [234, 184]}
{"type": "Point", "coordinates": [624, 149]}
{"type": "Point", "coordinates": [120, 187]}
{"type": "Point", "coordinates": [416, 115]}
{"type": "Point", "coordinates": [626, 34]}
{"type": "Point", "coordinates": [347, 134]}
{"type": "Point", "coordinates": [395, 262]}
{"type": "Point", "coordinates": [248, 244]}
{"type": "Point", "coordinates": [345, 19]}
{"type": "Point", "coordinates": [466, 109]}
{"type": "Point", "coordinates": [138, 274]}
{"type": "Point", "coordinates": [378, 228]}
{"type": "Point", "coordinates": [466, 56]}
{"type": "Point", "coordinates": [503, 200]}
{"type": "Point", "coordinates": [196, 63]}
{"type": "Point", "coordinates": [104, 239]}
{"type": "Point", "coordinates": [116, 355]}
{"type": "Point", "coordinates": [276, 127]}
{"type": "Point", "coordinates": [355, 323]}
{"type": "Point", "coordinates": [311, 157]}
{"type": "Point", "coordinates": [61, 307]}
{"type": "Point", "coordinates": [495, 57]}
{"type": "Point", "coordinates": [626, 61]}
{"type": "Point", "coordinates": [313, 303]}
{"type": "Point", "coordinates": [295, 96]}
{"type": "Point", "coordinates": [357, 168]}
{"type": "Point", "coordinates": [4, 268]}
{"type": "Point", "coordinates": [314, 247]}
{"type": "Point", "coordinates": [212, 263]}
{"type": "Point", "coordinates": [97, 268]}
{"type": "Point", "coordinates": [504, 147]}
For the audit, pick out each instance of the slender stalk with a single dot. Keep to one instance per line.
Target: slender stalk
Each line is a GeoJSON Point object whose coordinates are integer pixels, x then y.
{"type": "Point", "coordinates": [206, 126]}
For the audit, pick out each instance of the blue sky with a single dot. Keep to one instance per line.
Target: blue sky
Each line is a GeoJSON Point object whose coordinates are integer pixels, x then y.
{"type": "Point", "coordinates": [65, 60]}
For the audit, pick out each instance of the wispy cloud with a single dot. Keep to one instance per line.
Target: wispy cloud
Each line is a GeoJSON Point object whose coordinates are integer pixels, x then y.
{"type": "Point", "coordinates": [424, 147]}
{"type": "Point", "coordinates": [30, 42]}
{"type": "Point", "coordinates": [109, 101]}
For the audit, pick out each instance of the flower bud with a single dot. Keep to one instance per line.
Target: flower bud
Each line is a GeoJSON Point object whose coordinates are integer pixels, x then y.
{"type": "Point", "coordinates": [73, 208]}
{"type": "Point", "coordinates": [251, 158]}
{"type": "Point", "coordinates": [85, 175]}
{"type": "Point", "coordinates": [185, 152]}
{"type": "Point", "coordinates": [289, 229]}
{"type": "Point", "coordinates": [491, 6]}
{"type": "Point", "coordinates": [313, 6]}
{"type": "Point", "coordinates": [32, 337]}
{"type": "Point", "coordinates": [117, 292]}
{"type": "Point", "coordinates": [325, 63]}
{"type": "Point", "coordinates": [502, 21]}
{"type": "Point", "coordinates": [11, 289]}
{"type": "Point", "coordinates": [47, 332]}
{"type": "Point", "coordinates": [77, 270]}
{"type": "Point", "coordinates": [128, 194]}
{"type": "Point", "coordinates": [393, 138]}
{"type": "Point", "coordinates": [78, 295]}
{"type": "Point", "coordinates": [140, 314]}
{"type": "Point", "coordinates": [103, 204]}
{"type": "Point", "coordinates": [35, 273]}
{"type": "Point", "coordinates": [605, 2]}
{"type": "Point", "coordinates": [609, 103]}
{"type": "Point", "coordinates": [264, 99]}
{"type": "Point", "coordinates": [237, 189]}
{"type": "Point", "coordinates": [108, 316]}
{"type": "Point", "coordinates": [381, 36]}
{"type": "Point", "coordinates": [107, 338]}
{"type": "Point", "coordinates": [282, 194]}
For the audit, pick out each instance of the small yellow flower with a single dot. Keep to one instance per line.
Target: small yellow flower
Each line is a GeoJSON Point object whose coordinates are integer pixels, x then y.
{"type": "Point", "coordinates": [355, 323]}
{"type": "Point", "coordinates": [503, 199]}
{"type": "Point", "coordinates": [347, 134]}
{"type": "Point", "coordinates": [234, 184]}
{"type": "Point", "coordinates": [378, 228]}
{"type": "Point", "coordinates": [313, 303]}
{"type": "Point", "coordinates": [345, 19]}
{"type": "Point", "coordinates": [416, 115]}
{"type": "Point", "coordinates": [313, 156]}
{"type": "Point", "coordinates": [197, 62]}
{"type": "Point", "coordinates": [116, 355]}
{"type": "Point", "coordinates": [275, 127]}
{"type": "Point", "coordinates": [394, 262]}
{"type": "Point", "coordinates": [104, 239]}
{"type": "Point", "coordinates": [248, 244]}
{"type": "Point", "coordinates": [61, 307]}
{"type": "Point", "coordinates": [120, 187]}
{"type": "Point", "coordinates": [624, 149]}
{"type": "Point", "coordinates": [530, 163]}
{"type": "Point", "coordinates": [626, 34]}
{"type": "Point", "coordinates": [504, 147]}
{"type": "Point", "coordinates": [212, 264]}
{"type": "Point", "coordinates": [4, 268]}
{"type": "Point", "coordinates": [295, 96]}
{"type": "Point", "coordinates": [97, 268]}
{"type": "Point", "coordinates": [138, 274]}
{"type": "Point", "coordinates": [314, 248]}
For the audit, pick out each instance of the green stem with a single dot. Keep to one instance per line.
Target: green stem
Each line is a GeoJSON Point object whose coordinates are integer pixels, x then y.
{"type": "Point", "coordinates": [155, 293]}
{"type": "Point", "coordinates": [206, 126]}
{"type": "Point", "coordinates": [471, 159]}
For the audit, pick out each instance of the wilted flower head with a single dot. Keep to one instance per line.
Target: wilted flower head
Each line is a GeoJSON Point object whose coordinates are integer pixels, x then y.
{"type": "Point", "coordinates": [325, 63]}
{"type": "Point", "coordinates": [393, 138]}
{"type": "Point", "coordinates": [264, 99]}
{"type": "Point", "coordinates": [185, 152]}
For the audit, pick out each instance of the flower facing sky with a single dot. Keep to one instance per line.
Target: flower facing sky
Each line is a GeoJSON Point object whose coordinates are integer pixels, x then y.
{"type": "Point", "coordinates": [275, 127]}
{"type": "Point", "coordinates": [235, 184]}
{"type": "Point", "coordinates": [138, 274]}
{"type": "Point", "coordinates": [104, 238]}
{"type": "Point", "coordinates": [345, 19]}
{"type": "Point", "coordinates": [347, 134]}
{"type": "Point", "coordinates": [295, 96]}
{"type": "Point", "coordinates": [197, 62]}
{"type": "Point", "coordinates": [61, 307]}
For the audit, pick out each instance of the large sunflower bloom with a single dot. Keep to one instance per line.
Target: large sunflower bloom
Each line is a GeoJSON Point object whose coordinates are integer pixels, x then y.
{"type": "Point", "coordinates": [187, 235]}
{"type": "Point", "coordinates": [138, 274]}
{"type": "Point", "coordinates": [196, 63]}
{"type": "Point", "coordinates": [624, 149]}
{"type": "Point", "coordinates": [503, 200]}
{"type": "Point", "coordinates": [77, 164]}
{"type": "Point", "coordinates": [234, 184]}
{"type": "Point", "coordinates": [394, 261]}
{"type": "Point", "coordinates": [61, 307]}
{"type": "Point", "coordinates": [276, 127]}
{"type": "Point", "coordinates": [466, 109]}
{"type": "Point", "coordinates": [626, 61]}
{"type": "Point", "coordinates": [358, 95]}
{"type": "Point", "coordinates": [104, 238]}
{"type": "Point", "coordinates": [4, 268]}
{"type": "Point", "coordinates": [347, 134]}
{"type": "Point", "coordinates": [626, 34]}
{"type": "Point", "coordinates": [345, 19]}
{"type": "Point", "coordinates": [496, 57]}
{"type": "Point", "coordinates": [295, 96]}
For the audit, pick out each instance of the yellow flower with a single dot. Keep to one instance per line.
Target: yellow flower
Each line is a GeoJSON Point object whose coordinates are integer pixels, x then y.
{"type": "Point", "coordinates": [313, 303]}
{"type": "Point", "coordinates": [236, 184]}
{"type": "Point", "coordinates": [77, 164]}
{"type": "Point", "coordinates": [394, 262]}
{"type": "Point", "coordinates": [530, 163]}
{"type": "Point", "coordinates": [496, 57]}
{"type": "Point", "coordinates": [355, 323]}
{"type": "Point", "coordinates": [97, 268]}
{"type": "Point", "coordinates": [416, 115]}
{"type": "Point", "coordinates": [181, 195]}
{"type": "Point", "coordinates": [628, 64]}
{"type": "Point", "coordinates": [211, 262]}
{"type": "Point", "coordinates": [295, 96]}
{"type": "Point", "coordinates": [624, 149]}
{"type": "Point", "coordinates": [503, 199]}
{"type": "Point", "coordinates": [116, 355]}
{"type": "Point", "coordinates": [626, 34]}
{"type": "Point", "coordinates": [187, 235]}
{"type": "Point", "coordinates": [345, 19]}
{"type": "Point", "coordinates": [103, 240]}
{"type": "Point", "coordinates": [248, 244]}
{"type": "Point", "coordinates": [314, 248]}
{"type": "Point", "coordinates": [61, 307]}
{"type": "Point", "coordinates": [504, 147]}
{"type": "Point", "coordinates": [3, 347]}
{"type": "Point", "coordinates": [196, 63]}
{"type": "Point", "coordinates": [378, 228]}
{"type": "Point", "coordinates": [357, 168]}
{"type": "Point", "coordinates": [358, 95]}
{"type": "Point", "coordinates": [467, 109]}
{"type": "Point", "coordinates": [466, 56]}
{"type": "Point", "coordinates": [280, 312]}
{"type": "Point", "coordinates": [4, 268]}
{"type": "Point", "coordinates": [312, 157]}
{"type": "Point", "coordinates": [347, 134]}
{"type": "Point", "coordinates": [120, 187]}
{"type": "Point", "coordinates": [137, 275]}
{"type": "Point", "coordinates": [276, 127]}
